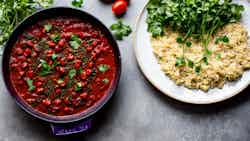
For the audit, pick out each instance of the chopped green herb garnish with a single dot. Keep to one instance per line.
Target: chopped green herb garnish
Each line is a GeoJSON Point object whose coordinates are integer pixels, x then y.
{"type": "Point", "coordinates": [217, 40]}
{"type": "Point", "coordinates": [188, 44]}
{"type": "Point", "coordinates": [197, 69]}
{"type": "Point", "coordinates": [78, 86]}
{"type": "Point", "coordinates": [207, 52]}
{"type": "Point", "coordinates": [72, 73]}
{"type": "Point", "coordinates": [30, 84]}
{"type": "Point", "coordinates": [77, 3]}
{"type": "Point", "coordinates": [120, 30]}
{"type": "Point", "coordinates": [90, 42]}
{"type": "Point", "coordinates": [190, 63]}
{"type": "Point", "coordinates": [103, 67]}
{"type": "Point", "coordinates": [205, 59]}
{"type": "Point", "coordinates": [75, 42]}
{"type": "Point", "coordinates": [105, 80]}
{"type": "Point", "coordinates": [179, 40]}
{"type": "Point", "coordinates": [53, 57]}
{"type": "Point", "coordinates": [224, 39]}
{"type": "Point", "coordinates": [55, 37]}
{"type": "Point", "coordinates": [180, 61]}
{"type": "Point", "coordinates": [46, 68]}
{"type": "Point", "coordinates": [218, 56]}
{"type": "Point", "coordinates": [85, 59]}
{"type": "Point", "coordinates": [47, 27]}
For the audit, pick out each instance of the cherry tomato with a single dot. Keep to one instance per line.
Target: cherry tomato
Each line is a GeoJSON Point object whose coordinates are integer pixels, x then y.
{"type": "Point", "coordinates": [119, 7]}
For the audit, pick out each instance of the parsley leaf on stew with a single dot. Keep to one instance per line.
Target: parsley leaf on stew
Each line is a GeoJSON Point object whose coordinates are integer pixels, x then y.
{"type": "Point", "coordinates": [55, 37]}
{"type": "Point", "coordinates": [120, 30]}
{"type": "Point", "coordinates": [47, 27]}
{"type": "Point", "coordinates": [30, 84]}
{"type": "Point", "coordinates": [78, 86]}
{"type": "Point", "coordinates": [53, 57]}
{"type": "Point", "coordinates": [46, 68]}
{"type": "Point", "coordinates": [103, 67]}
{"type": "Point", "coordinates": [77, 3]}
{"type": "Point", "coordinates": [105, 80]}
{"type": "Point", "coordinates": [75, 42]}
{"type": "Point", "coordinates": [72, 73]}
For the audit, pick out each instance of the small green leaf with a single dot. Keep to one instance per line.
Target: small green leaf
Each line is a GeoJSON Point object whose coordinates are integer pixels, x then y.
{"type": "Point", "coordinates": [190, 63]}
{"type": "Point", "coordinates": [74, 44]}
{"type": "Point", "coordinates": [78, 86]}
{"type": "Point", "coordinates": [105, 80]}
{"type": "Point", "coordinates": [30, 84]}
{"type": "Point", "coordinates": [85, 59]}
{"type": "Point", "coordinates": [47, 27]}
{"type": "Point", "coordinates": [180, 61]}
{"type": "Point", "coordinates": [53, 57]}
{"type": "Point", "coordinates": [225, 39]}
{"type": "Point", "coordinates": [197, 69]}
{"type": "Point", "coordinates": [179, 40]}
{"type": "Point", "coordinates": [208, 52]}
{"type": "Point", "coordinates": [72, 73]}
{"type": "Point", "coordinates": [103, 67]}
{"type": "Point", "coordinates": [77, 3]}
{"type": "Point", "coordinates": [188, 44]}
{"type": "Point", "coordinates": [217, 40]}
{"type": "Point", "coordinates": [205, 59]}
{"type": "Point", "coordinates": [76, 38]}
{"type": "Point", "coordinates": [218, 56]}
{"type": "Point", "coordinates": [46, 68]}
{"type": "Point", "coordinates": [55, 37]}
{"type": "Point", "coordinates": [80, 70]}
{"type": "Point", "coordinates": [120, 30]}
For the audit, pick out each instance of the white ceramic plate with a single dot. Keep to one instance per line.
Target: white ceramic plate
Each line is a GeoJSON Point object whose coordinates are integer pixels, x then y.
{"type": "Point", "coordinates": [151, 69]}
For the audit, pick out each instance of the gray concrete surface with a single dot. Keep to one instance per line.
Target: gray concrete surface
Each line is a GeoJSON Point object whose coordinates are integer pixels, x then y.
{"type": "Point", "coordinates": [138, 111]}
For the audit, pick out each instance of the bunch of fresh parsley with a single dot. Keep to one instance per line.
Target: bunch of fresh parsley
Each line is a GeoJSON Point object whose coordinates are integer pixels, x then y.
{"type": "Point", "coordinates": [198, 19]}
{"type": "Point", "coordinates": [14, 11]}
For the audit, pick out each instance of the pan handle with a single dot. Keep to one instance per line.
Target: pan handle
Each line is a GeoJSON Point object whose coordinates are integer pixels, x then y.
{"type": "Point", "coordinates": [71, 128]}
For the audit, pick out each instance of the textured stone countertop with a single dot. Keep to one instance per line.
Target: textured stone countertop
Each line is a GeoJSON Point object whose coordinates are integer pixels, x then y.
{"type": "Point", "coordinates": [138, 112]}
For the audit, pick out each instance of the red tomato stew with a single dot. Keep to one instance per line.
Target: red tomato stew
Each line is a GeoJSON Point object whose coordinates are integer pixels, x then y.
{"type": "Point", "coordinates": [62, 66]}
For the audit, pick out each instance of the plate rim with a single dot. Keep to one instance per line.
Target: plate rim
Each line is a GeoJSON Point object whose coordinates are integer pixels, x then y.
{"type": "Point", "coordinates": [134, 41]}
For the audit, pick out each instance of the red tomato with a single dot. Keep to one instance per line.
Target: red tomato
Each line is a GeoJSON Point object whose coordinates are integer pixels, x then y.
{"type": "Point", "coordinates": [119, 7]}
